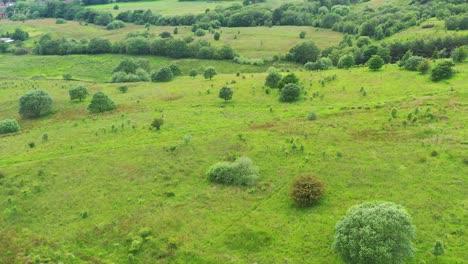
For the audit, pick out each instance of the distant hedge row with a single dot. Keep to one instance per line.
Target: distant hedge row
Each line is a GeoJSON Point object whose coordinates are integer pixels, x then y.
{"type": "Point", "coordinates": [135, 45]}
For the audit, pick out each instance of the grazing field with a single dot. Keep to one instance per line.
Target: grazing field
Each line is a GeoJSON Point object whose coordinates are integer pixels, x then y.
{"type": "Point", "coordinates": [174, 7]}
{"type": "Point", "coordinates": [98, 68]}
{"type": "Point", "coordinates": [104, 188]}
{"type": "Point", "coordinates": [252, 42]}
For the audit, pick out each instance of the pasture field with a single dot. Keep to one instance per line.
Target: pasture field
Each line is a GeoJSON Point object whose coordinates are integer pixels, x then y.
{"type": "Point", "coordinates": [251, 42]}
{"type": "Point", "coordinates": [98, 68]}
{"type": "Point", "coordinates": [106, 189]}
{"type": "Point", "coordinates": [174, 7]}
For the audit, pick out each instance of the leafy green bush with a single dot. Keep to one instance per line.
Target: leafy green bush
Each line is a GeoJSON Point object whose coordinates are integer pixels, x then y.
{"type": "Point", "coordinates": [163, 75]}
{"type": "Point", "coordinates": [272, 79]}
{"type": "Point", "coordinates": [9, 126]}
{"type": "Point", "coordinates": [290, 93]}
{"type": "Point", "coordinates": [306, 191]}
{"type": "Point", "coordinates": [320, 64]}
{"type": "Point", "coordinates": [375, 232]}
{"type": "Point", "coordinates": [346, 61]}
{"type": "Point", "coordinates": [157, 123]}
{"type": "Point", "coordinates": [60, 21]}
{"type": "Point", "coordinates": [79, 92]}
{"type": "Point", "coordinates": [375, 62]}
{"type": "Point", "coordinates": [115, 25]}
{"type": "Point", "coordinates": [288, 79]}
{"type": "Point", "coordinates": [101, 103]}
{"type": "Point", "coordinates": [412, 63]}
{"type": "Point", "coordinates": [442, 70]}
{"type": "Point", "coordinates": [225, 93]}
{"type": "Point", "coordinates": [175, 70]}
{"type": "Point", "coordinates": [200, 32]}
{"type": "Point", "coordinates": [240, 172]}
{"type": "Point", "coordinates": [209, 72]}
{"type": "Point", "coordinates": [312, 116]}
{"type": "Point", "coordinates": [35, 104]}
{"type": "Point", "coordinates": [123, 89]}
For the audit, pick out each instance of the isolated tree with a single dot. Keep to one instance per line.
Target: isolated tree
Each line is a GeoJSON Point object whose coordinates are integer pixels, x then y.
{"type": "Point", "coordinates": [290, 93]}
{"type": "Point", "coordinates": [442, 70]}
{"type": "Point", "coordinates": [35, 104]}
{"type": "Point", "coordinates": [304, 52]}
{"type": "Point", "coordinates": [79, 92]}
{"type": "Point", "coordinates": [163, 75]}
{"type": "Point", "coordinates": [306, 191]}
{"type": "Point", "coordinates": [209, 72]}
{"type": "Point", "coordinates": [375, 62]}
{"type": "Point", "coordinates": [273, 79]}
{"type": "Point", "coordinates": [216, 36]}
{"type": "Point", "coordinates": [375, 232]}
{"type": "Point", "coordinates": [302, 34]}
{"type": "Point", "coordinates": [157, 123]}
{"type": "Point", "coordinates": [101, 103]}
{"type": "Point", "coordinates": [226, 93]}
{"type": "Point", "coordinates": [438, 249]}
{"type": "Point", "coordinates": [346, 61]}
{"type": "Point", "coordinates": [193, 73]}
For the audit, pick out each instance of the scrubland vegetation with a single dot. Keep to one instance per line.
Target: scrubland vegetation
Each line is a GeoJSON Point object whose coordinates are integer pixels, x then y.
{"type": "Point", "coordinates": [238, 132]}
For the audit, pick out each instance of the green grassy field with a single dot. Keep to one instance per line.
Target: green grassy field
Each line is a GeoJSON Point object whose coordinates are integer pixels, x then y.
{"type": "Point", "coordinates": [252, 42]}
{"type": "Point", "coordinates": [126, 178]}
{"type": "Point", "coordinates": [174, 7]}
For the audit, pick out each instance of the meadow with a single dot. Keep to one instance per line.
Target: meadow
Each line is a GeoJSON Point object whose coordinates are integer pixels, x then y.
{"type": "Point", "coordinates": [251, 42]}
{"type": "Point", "coordinates": [103, 181]}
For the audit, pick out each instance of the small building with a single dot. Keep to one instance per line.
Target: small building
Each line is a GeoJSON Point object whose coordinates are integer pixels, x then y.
{"type": "Point", "coordinates": [6, 40]}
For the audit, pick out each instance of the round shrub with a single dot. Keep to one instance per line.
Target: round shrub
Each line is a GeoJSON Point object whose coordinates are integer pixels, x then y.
{"type": "Point", "coordinates": [200, 32]}
{"type": "Point", "coordinates": [290, 93]}
{"type": "Point", "coordinates": [79, 92]}
{"type": "Point", "coordinates": [375, 62]}
{"type": "Point", "coordinates": [375, 232]}
{"type": "Point", "coordinates": [60, 21]}
{"type": "Point", "coordinates": [312, 116]}
{"type": "Point", "coordinates": [240, 172]}
{"type": "Point", "coordinates": [9, 126]}
{"type": "Point", "coordinates": [412, 63]}
{"type": "Point", "coordinates": [115, 25]}
{"type": "Point", "coordinates": [289, 78]}
{"type": "Point", "coordinates": [163, 75]}
{"type": "Point", "coordinates": [272, 79]}
{"type": "Point", "coordinates": [442, 70]}
{"type": "Point", "coordinates": [225, 93]}
{"type": "Point", "coordinates": [35, 104]}
{"type": "Point", "coordinates": [306, 191]}
{"type": "Point", "coordinates": [101, 103]}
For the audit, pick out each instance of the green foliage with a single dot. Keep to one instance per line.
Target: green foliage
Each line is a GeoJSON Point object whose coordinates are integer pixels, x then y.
{"type": "Point", "coordinates": [302, 34]}
{"type": "Point", "coordinates": [225, 93]}
{"type": "Point", "coordinates": [67, 76]}
{"type": "Point", "coordinates": [290, 93]}
{"type": "Point", "coordinates": [79, 92]}
{"type": "Point", "coordinates": [123, 89]}
{"type": "Point", "coordinates": [175, 70]}
{"type": "Point", "coordinates": [35, 104]}
{"type": "Point", "coordinates": [346, 61]}
{"type": "Point", "coordinates": [289, 78]}
{"type": "Point", "coordinates": [60, 21]}
{"type": "Point", "coordinates": [312, 116]}
{"type": "Point", "coordinates": [319, 65]}
{"type": "Point", "coordinates": [460, 53]}
{"type": "Point", "coordinates": [217, 36]}
{"type": "Point", "coordinates": [424, 67]}
{"type": "Point", "coordinates": [157, 123]}
{"type": "Point", "coordinates": [304, 52]}
{"type": "Point", "coordinates": [131, 70]}
{"type": "Point", "coordinates": [209, 72]}
{"type": "Point", "coordinates": [20, 35]}
{"type": "Point", "coordinates": [412, 63]}
{"type": "Point", "coordinates": [272, 80]}
{"type": "Point", "coordinates": [163, 75]}
{"type": "Point", "coordinates": [193, 73]}
{"type": "Point", "coordinates": [240, 172]}
{"type": "Point", "coordinates": [115, 25]}
{"type": "Point", "coordinates": [306, 191]}
{"type": "Point", "coordinates": [101, 103]}
{"type": "Point", "coordinates": [375, 62]}
{"type": "Point", "coordinates": [9, 126]}
{"type": "Point", "coordinates": [375, 232]}
{"type": "Point", "coordinates": [438, 249]}
{"type": "Point", "coordinates": [442, 70]}
{"type": "Point", "coordinates": [200, 32]}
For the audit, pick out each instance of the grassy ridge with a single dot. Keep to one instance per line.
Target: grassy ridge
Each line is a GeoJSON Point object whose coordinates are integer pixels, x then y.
{"type": "Point", "coordinates": [135, 178]}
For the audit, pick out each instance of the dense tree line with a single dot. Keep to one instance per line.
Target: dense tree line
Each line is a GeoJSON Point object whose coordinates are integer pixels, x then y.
{"type": "Point", "coordinates": [334, 14]}
{"type": "Point", "coordinates": [135, 44]}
